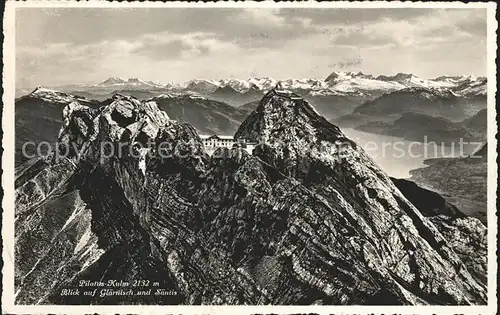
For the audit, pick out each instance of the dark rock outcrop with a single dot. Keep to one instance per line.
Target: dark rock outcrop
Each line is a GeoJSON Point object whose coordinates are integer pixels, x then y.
{"type": "Point", "coordinates": [467, 237]}
{"type": "Point", "coordinates": [428, 202]}
{"type": "Point", "coordinates": [309, 218]}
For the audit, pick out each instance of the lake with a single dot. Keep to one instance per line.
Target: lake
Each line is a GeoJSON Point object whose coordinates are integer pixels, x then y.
{"type": "Point", "coordinates": [398, 157]}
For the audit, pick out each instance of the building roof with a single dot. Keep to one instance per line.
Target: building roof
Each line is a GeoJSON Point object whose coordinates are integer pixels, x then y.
{"type": "Point", "coordinates": [218, 137]}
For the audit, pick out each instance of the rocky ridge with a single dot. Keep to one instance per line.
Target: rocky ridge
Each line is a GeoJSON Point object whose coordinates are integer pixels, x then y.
{"type": "Point", "coordinates": [308, 218]}
{"type": "Point", "coordinates": [38, 118]}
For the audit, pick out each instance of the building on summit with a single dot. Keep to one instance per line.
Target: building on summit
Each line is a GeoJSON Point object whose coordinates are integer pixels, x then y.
{"type": "Point", "coordinates": [211, 142]}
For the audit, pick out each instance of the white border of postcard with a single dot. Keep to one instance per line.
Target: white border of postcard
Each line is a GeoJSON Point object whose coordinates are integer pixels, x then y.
{"type": "Point", "coordinates": [8, 306]}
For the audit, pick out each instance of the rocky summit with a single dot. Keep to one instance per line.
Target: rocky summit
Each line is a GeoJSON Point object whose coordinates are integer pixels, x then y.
{"type": "Point", "coordinates": [309, 218]}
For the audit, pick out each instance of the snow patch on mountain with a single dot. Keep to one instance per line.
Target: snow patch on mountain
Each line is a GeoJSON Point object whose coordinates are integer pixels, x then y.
{"type": "Point", "coordinates": [356, 84]}
{"type": "Point", "coordinates": [201, 85]}
{"type": "Point", "coordinates": [240, 86]}
{"type": "Point", "coordinates": [54, 96]}
{"type": "Point", "coordinates": [351, 82]}
{"type": "Point", "coordinates": [264, 84]}
{"type": "Point", "coordinates": [130, 83]}
{"type": "Point", "coordinates": [475, 88]}
{"type": "Point", "coordinates": [171, 95]}
{"type": "Point", "coordinates": [112, 81]}
{"type": "Point", "coordinates": [414, 81]}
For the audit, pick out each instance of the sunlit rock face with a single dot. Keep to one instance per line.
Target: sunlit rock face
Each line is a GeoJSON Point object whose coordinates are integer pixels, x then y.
{"type": "Point", "coordinates": [308, 218]}
{"type": "Point", "coordinates": [402, 245]}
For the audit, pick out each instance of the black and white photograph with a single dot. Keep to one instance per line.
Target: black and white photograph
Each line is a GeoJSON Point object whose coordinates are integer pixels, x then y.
{"type": "Point", "coordinates": [260, 154]}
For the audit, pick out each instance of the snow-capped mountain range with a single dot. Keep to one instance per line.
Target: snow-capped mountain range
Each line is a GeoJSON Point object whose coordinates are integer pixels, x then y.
{"type": "Point", "coordinates": [349, 82]}
{"type": "Point", "coordinates": [346, 82]}
{"type": "Point", "coordinates": [336, 84]}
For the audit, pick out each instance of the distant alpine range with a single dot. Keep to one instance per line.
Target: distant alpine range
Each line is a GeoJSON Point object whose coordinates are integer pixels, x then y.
{"type": "Point", "coordinates": [337, 83]}
{"type": "Point", "coordinates": [349, 99]}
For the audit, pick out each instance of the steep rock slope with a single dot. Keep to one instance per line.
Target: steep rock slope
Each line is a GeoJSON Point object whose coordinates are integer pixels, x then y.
{"type": "Point", "coordinates": [300, 222]}
{"type": "Point", "coordinates": [468, 238]}
{"type": "Point", "coordinates": [39, 116]}
{"type": "Point", "coordinates": [138, 220]}
{"type": "Point", "coordinates": [303, 145]}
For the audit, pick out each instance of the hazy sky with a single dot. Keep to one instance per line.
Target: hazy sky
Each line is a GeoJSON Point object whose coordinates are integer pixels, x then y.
{"type": "Point", "coordinates": [77, 45]}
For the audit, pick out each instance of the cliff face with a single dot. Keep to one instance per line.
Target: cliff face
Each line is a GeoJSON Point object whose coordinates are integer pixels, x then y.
{"type": "Point", "coordinates": [309, 218]}
{"type": "Point", "coordinates": [466, 236]}
{"type": "Point", "coordinates": [300, 144]}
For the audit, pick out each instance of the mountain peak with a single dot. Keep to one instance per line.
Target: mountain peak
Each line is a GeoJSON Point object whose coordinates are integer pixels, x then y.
{"type": "Point", "coordinates": [398, 77]}
{"type": "Point", "coordinates": [339, 75]}
{"type": "Point", "coordinates": [112, 80]}
{"type": "Point", "coordinates": [202, 85]}
{"type": "Point", "coordinates": [52, 96]}
{"type": "Point", "coordinates": [282, 114]}
{"type": "Point", "coordinates": [253, 88]}
{"type": "Point", "coordinates": [332, 77]}
{"type": "Point", "coordinates": [41, 89]}
{"type": "Point", "coordinates": [225, 89]}
{"type": "Point", "coordinates": [136, 80]}
{"type": "Point", "coordinates": [120, 96]}
{"type": "Point", "coordinates": [179, 95]}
